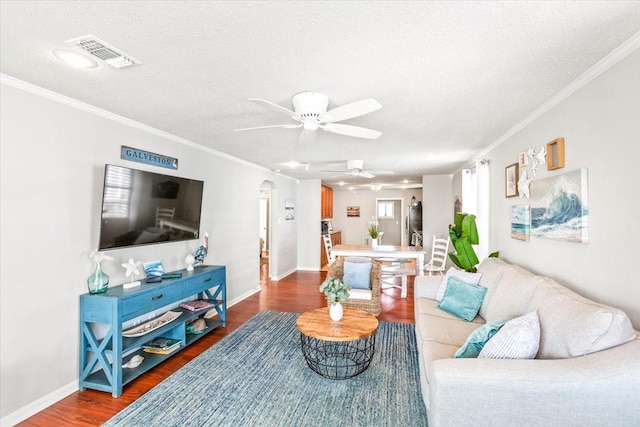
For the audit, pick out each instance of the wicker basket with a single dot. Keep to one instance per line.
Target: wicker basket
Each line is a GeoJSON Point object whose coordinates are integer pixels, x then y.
{"type": "Point", "coordinates": [372, 306]}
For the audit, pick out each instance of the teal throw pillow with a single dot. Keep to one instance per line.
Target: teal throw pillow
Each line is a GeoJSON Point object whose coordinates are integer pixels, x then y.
{"type": "Point", "coordinates": [357, 272]}
{"type": "Point", "coordinates": [478, 338]}
{"type": "Point", "coordinates": [462, 299]}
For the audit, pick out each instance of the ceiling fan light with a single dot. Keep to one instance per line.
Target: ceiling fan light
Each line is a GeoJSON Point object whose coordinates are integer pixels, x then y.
{"type": "Point", "coordinates": [310, 127]}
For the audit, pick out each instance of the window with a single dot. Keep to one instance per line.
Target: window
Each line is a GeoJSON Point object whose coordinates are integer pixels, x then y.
{"type": "Point", "coordinates": [385, 209]}
{"type": "Point", "coordinates": [117, 193]}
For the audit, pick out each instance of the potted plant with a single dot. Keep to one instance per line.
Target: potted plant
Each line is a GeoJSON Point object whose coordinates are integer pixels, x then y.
{"type": "Point", "coordinates": [374, 232]}
{"type": "Point", "coordinates": [464, 233]}
{"type": "Point", "coordinates": [336, 291]}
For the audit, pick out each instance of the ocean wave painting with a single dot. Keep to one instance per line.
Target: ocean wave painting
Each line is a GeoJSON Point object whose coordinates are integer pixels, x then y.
{"type": "Point", "coordinates": [520, 222]}
{"type": "Point", "coordinates": [559, 207]}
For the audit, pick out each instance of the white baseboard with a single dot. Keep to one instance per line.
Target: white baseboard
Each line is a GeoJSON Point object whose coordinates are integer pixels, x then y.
{"type": "Point", "coordinates": [33, 408]}
{"type": "Point", "coordinates": [38, 405]}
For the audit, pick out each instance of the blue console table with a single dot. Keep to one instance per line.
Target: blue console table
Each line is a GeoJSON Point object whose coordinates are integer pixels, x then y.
{"type": "Point", "coordinates": [101, 359]}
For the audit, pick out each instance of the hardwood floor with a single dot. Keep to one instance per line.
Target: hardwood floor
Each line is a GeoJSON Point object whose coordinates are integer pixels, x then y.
{"type": "Point", "coordinates": [296, 293]}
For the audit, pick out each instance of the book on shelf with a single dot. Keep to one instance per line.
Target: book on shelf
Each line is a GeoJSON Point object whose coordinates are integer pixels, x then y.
{"type": "Point", "coordinates": [162, 345]}
{"type": "Point", "coordinates": [196, 305]}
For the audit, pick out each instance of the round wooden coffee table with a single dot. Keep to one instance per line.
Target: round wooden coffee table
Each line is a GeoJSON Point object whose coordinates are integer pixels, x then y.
{"type": "Point", "coordinates": [338, 350]}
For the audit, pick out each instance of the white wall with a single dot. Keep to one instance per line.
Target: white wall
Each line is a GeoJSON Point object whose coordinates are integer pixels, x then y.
{"type": "Point", "coordinates": [601, 126]}
{"type": "Point", "coordinates": [52, 166]}
{"type": "Point", "coordinates": [308, 217]}
{"type": "Point", "coordinates": [353, 228]}
{"type": "Point", "coordinates": [437, 208]}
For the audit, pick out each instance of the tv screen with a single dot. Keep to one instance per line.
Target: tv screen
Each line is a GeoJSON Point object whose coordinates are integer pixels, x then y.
{"type": "Point", "coordinates": [140, 208]}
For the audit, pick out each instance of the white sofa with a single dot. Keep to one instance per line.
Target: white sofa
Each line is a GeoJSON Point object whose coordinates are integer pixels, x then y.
{"type": "Point", "coordinates": [586, 372]}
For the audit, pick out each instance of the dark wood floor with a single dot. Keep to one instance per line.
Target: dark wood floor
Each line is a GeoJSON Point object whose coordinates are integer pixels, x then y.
{"type": "Point", "coordinates": [295, 293]}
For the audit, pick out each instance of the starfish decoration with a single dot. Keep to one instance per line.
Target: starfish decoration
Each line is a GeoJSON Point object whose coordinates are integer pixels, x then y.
{"type": "Point", "coordinates": [531, 152]}
{"type": "Point", "coordinates": [132, 268]}
{"type": "Point", "coordinates": [523, 185]}
{"type": "Point", "coordinates": [534, 167]}
{"type": "Point", "coordinates": [98, 257]}
{"type": "Point", "coordinates": [541, 157]}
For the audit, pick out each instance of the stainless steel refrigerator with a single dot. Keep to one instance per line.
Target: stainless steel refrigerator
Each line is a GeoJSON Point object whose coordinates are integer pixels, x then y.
{"type": "Point", "coordinates": [414, 224]}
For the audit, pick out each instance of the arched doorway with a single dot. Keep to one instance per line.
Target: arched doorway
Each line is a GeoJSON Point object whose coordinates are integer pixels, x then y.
{"type": "Point", "coordinates": [265, 232]}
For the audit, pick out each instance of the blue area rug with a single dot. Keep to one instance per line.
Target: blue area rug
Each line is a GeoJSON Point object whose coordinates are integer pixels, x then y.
{"type": "Point", "coordinates": [257, 376]}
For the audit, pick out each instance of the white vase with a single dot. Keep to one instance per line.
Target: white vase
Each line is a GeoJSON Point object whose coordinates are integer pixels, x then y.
{"type": "Point", "coordinates": [374, 243]}
{"type": "Point", "coordinates": [335, 311]}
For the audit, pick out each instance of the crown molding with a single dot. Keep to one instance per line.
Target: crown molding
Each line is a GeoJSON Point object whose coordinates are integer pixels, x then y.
{"type": "Point", "coordinates": [600, 67]}
{"type": "Point", "coordinates": [87, 108]}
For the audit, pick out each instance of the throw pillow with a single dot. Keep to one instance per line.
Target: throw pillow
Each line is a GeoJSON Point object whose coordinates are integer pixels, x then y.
{"type": "Point", "coordinates": [462, 299]}
{"type": "Point", "coordinates": [472, 278]}
{"type": "Point", "coordinates": [478, 338]}
{"type": "Point", "coordinates": [357, 272]}
{"type": "Point", "coordinates": [517, 339]}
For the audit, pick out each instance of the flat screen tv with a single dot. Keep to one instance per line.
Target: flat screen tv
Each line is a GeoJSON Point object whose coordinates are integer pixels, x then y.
{"type": "Point", "coordinates": [140, 208]}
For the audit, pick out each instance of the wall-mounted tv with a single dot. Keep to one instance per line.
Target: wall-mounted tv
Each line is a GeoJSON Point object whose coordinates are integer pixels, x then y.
{"type": "Point", "coordinates": [140, 208]}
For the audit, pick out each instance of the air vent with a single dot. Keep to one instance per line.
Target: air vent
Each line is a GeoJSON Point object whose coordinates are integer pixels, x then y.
{"type": "Point", "coordinates": [103, 51]}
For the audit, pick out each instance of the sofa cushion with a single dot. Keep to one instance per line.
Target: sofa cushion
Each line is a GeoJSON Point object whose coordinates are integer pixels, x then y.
{"type": "Point", "coordinates": [430, 307]}
{"type": "Point", "coordinates": [491, 270]}
{"type": "Point", "coordinates": [572, 325]}
{"type": "Point", "coordinates": [513, 294]}
{"type": "Point", "coordinates": [478, 338]}
{"type": "Point", "coordinates": [517, 339]}
{"type": "Point", "coordinates": [432, 351]}
{"type": "Point", "coordinates": [464, 276]}
{"type": "Point", "coordinates": [462, 299]}
{"type": "Point", "coordinates": [450, 331]}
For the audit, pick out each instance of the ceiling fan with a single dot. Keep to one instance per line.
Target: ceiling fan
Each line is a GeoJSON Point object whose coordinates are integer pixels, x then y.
{"type": "Point", "coordinates": [311, 114]}
{"type": "Point", "coordinates": [355, 168]}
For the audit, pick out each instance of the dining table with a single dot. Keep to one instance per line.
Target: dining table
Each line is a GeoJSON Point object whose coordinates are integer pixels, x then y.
{"type": "Point", "coordinates": [386, 252]}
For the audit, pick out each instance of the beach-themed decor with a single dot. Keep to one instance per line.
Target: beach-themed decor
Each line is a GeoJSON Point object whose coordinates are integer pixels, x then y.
{"type": "Point", "coordinates": [98, 282]}
{"type": "Point", "coordinates": [523, 185]}
{"type": "Point", "coordinates": [189, 260]}
{"type": "Point", "coordinates": [520, 222]}
{"type": "Point", "coordinates": [560, 208]}
{"type": "Point", "coordinates": [202, 251]}
{"type": "Point", "coordinates": [132, 270]}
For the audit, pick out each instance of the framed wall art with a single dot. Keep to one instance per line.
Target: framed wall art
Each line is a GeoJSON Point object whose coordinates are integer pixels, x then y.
{"type": "Point", "coordinates": [353, 211]}
{"type": "Point", "coordinates": [511, 180]}
{"type": "Point", "coordinates": [555, 154]}
{"type": "Point", "coordinates": [560, 207]}
{"type": "Point", "coordinates": [520, 222]}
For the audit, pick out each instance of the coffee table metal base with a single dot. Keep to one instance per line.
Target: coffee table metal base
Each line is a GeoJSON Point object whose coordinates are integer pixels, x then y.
{"type": "Point", "coordinates": [338, 360]}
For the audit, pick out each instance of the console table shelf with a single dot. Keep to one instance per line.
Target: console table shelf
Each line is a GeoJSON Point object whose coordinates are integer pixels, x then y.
{"type": "Point", "coordinates": [101, 359]}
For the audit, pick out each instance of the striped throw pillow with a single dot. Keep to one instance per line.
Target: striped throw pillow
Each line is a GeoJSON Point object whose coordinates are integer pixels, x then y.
{"type": "Point", "coordinates": [517, 339]}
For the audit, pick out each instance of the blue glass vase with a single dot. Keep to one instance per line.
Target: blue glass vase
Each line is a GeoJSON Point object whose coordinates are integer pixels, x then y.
{"type": "Point", "coordinates": [98, 282]}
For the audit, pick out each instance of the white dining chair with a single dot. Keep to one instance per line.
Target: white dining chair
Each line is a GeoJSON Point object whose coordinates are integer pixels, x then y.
{"type": "Point", "coordinates": [439, 253]}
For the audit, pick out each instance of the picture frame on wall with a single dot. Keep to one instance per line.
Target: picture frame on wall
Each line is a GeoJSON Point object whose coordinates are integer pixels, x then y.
{"type": "Point", "coordinates": [511, 180]}
{"type": "Point", "coordinates": [555, 154]}
{"type": "Point", "coordinates": [353, 211]}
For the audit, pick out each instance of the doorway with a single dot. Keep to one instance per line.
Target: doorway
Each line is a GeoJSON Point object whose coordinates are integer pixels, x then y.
{"type": "Point", "coordinates": [264, 230]}
{"type": "Point", "coordinates": [389, 214]}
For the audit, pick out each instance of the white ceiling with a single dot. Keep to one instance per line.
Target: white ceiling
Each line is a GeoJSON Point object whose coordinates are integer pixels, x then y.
{"type": "Point", "coordinates": [452, 77]}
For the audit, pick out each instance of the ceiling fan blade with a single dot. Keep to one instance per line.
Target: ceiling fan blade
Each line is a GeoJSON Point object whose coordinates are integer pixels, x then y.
{"type": "Point", "coordinates": [365, 175]}
{"type": "Point", "coordinates": [276, 107]}
{"type": "Point", "coordinates": [350, 130]}
{"type": "Point", "coordinates": [291, 126]}
{"type": "Point", "coordinates": [382, 172]}
{"type": "Point", "coordinates": [351, 110]}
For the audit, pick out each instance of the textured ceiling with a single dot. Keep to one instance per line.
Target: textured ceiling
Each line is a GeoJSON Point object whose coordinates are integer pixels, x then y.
{"type": "Point", "coordinates": [452, 77]}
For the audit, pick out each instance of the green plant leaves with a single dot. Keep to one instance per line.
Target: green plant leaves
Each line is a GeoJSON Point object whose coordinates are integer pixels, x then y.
{"type": "Point", "coordinates": [469, 229]}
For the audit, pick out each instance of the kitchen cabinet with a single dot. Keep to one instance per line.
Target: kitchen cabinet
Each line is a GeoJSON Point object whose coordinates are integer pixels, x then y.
{"type": "Point", "coordinates": [326, 202]}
